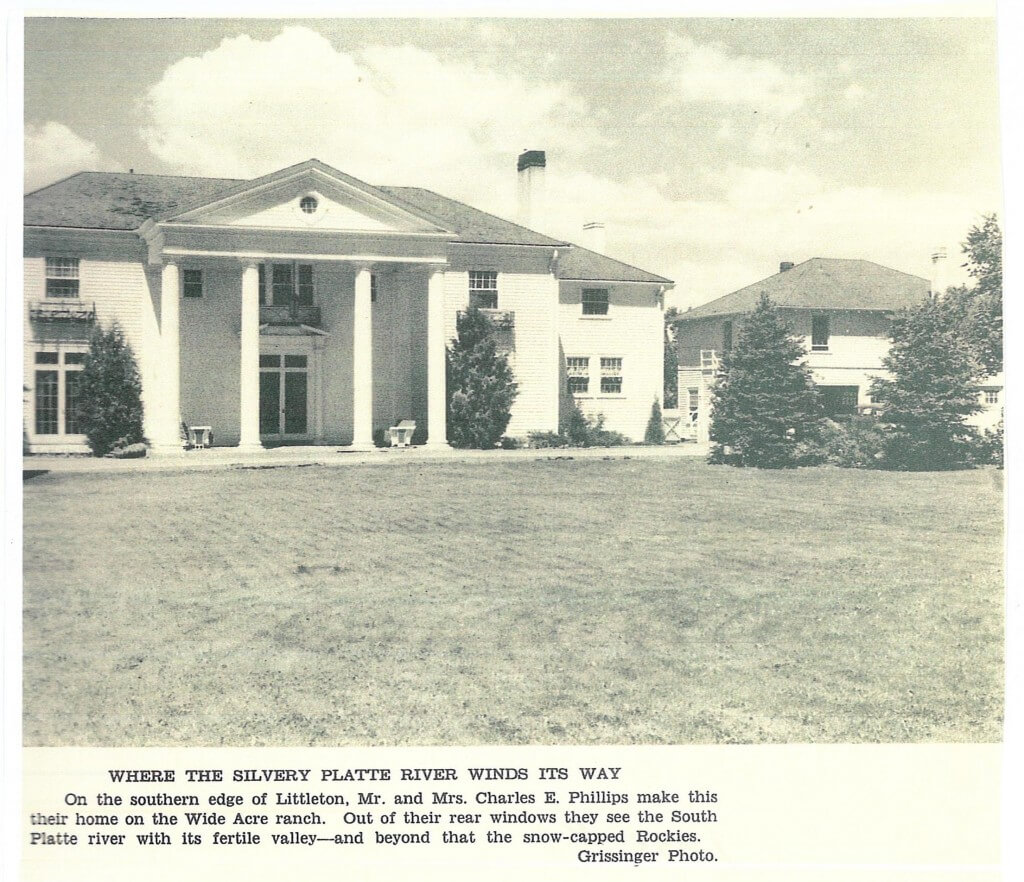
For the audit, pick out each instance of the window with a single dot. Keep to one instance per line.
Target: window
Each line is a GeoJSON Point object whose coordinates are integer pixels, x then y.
{"type": "Point", "coordinates": [726, 336]}
{"type": "Point", "coordinates": [56, 392]}
{"type": "Point", "coordinates": [304, 289]}
{"type": "Point", "coordinates": [693, 402]}
{"type": "Point", "coordinates": [71, 379]}
{"type": "Point", "coordinates": [289, 283]}
{"type": "Point", "coordinates": [595, 301]}
{"type": "Point", "coordinates": [611, 376]}
{"type": "Point", "coordinates": [308, 204]}
{"type": "Point", "coordinates": [192, 283]}
{"type": "Point", "coordinates": [373, 288]}
{"type": "Point", "coordinates": [62, 277]}
{"type": "Point", "coordinates": [483, 289]}
{"type": "Point", "coordinates": [577, 370]}
{"type": "Point", "coordinates": [282, 284]}
{"type": "Point", "coordinates": [991, 396]}
{"type": "Point", "coordinates": [819, 333]}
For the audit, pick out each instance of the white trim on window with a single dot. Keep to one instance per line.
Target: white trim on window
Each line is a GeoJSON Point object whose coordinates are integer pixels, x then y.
{"type": "Point", "coordinates": [483, 289]}
{"type": "Point", "coordinates": [53, 397]}
{"type": "Point", "coordinates": [577, 373]}
{"type": "Point", "coordinates": [611, 375]}
{"type": "Point", "coordinates": [62, 277]}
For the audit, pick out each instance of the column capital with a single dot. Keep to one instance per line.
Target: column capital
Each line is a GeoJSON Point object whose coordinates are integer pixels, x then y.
{"type": "Point", "coordinates": [249, 262]}
{"type": "Point", "coordinates": [171, 261]}
{"type": "Point", "coordinates": [360, 265]}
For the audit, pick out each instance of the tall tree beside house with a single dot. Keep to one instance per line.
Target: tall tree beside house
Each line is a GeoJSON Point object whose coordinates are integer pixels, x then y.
{"type": "Point", "coordinates": [931, 392]}
{"type": "Point", "coordinates": [481, 385]}
{"type": "Point", "coordinates": [670, 362]}
{"type": "Point", "coordinates": [765, 410]}
{"type": "Point", "coordinates": [977, 311]}
{"type": "Point", "coordinates": [110, 392]}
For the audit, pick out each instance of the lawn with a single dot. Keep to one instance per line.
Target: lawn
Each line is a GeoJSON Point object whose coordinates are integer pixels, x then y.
{"type": "Point", "coordinates": [509, 602]}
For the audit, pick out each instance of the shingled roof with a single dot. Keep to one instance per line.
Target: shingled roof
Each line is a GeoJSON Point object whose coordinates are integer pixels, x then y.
{"type": "Point", "coordinates": [112, 201]}
{"type": "Point", "coordinates": [117, 201]}
{"type": "Point", "coordinates": [823, 283]}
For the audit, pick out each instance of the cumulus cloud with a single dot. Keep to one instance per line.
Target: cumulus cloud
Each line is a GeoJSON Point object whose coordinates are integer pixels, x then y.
{"type": "Point", "coordinates": [53, 151]}
{"type": "Point", "coordinates": [390, 115]}
{"type": "Point", "coordinates": [710, 73]}
{"type": "Point", "coordinates": [402, 115]}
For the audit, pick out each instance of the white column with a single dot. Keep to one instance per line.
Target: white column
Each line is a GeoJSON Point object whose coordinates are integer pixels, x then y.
{"type": "Point", "coordinates": [169, 374]}
{"type": "Point", "coordinates": [362, 361]}
{"type": "Point", "coordinates": [437, 418]}
{"type": "Point", "coordinates": [249, 385]}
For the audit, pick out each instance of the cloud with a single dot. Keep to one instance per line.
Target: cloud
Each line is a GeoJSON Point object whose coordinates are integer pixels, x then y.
{"type": "Point", "coordinates": [709, 73]}
{"type": "Point", "coordinates": [855, 94]}
{"type": "Point", "coordinates": [402, 115]}
{"type": "Point", "coordinates": [53, 151]}
{"type": "Point", "coordinates": [390, 115]}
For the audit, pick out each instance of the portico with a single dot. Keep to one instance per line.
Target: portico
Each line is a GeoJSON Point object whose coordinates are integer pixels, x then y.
{"type": "Point", "coordinates": [375, 336]}
{"type": "Point", "coordinates": [337, 332]}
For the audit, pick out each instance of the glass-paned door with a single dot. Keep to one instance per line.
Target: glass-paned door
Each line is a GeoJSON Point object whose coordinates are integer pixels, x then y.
{"type": "Point", "coordinates": [284, 396]}
{"type": "Point", "coordinates": [270, 401]}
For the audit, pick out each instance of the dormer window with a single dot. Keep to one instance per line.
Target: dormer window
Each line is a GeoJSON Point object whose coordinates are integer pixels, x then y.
{"type": "Point", "coordinates": [309, 204]}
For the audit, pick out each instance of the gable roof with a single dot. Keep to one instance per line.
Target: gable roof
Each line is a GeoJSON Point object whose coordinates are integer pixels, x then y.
{"type": "Point", "coordinates": [117, 201]}
{"type": "Point", "coordinates": [823, 283]}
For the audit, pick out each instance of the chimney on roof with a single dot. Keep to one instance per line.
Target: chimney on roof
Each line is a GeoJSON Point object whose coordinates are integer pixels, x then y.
{"type": "Point", "coordinates": [938, 272]}
{"type": "Point", "coordinates": [531, 167]}
{"type": "Point", "coordinates": [785, 266]}
{"type": "Point", "coordinates": [593, 236]}
{"type": "Point", "coordinates": [131, 171]}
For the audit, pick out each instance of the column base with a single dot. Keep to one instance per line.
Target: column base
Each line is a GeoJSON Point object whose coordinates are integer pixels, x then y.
{"type": "Point", "coordinates": [437, 445]}
{"type": "Point", "coordinates": [250, 447]}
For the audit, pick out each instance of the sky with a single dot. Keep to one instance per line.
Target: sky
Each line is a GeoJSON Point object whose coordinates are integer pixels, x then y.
{"type": "Point", "coordinates": [711, 148]}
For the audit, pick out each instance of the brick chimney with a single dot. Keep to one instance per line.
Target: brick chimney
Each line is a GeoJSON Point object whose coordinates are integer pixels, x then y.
{"type": "Point", "coordinates": [785, 266]}
{"type": "Point", "coordinates": [531, 167]}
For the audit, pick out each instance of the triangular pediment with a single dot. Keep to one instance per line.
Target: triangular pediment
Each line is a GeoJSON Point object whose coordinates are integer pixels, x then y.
{"type": "Point", "coordinates": [310, 196]}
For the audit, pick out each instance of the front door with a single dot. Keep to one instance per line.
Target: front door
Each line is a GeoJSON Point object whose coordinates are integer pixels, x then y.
{"type": "Point", "coordinates": [284, 398]}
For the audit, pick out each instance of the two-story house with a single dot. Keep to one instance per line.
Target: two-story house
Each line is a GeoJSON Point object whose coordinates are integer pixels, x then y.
{"type": "Point", "coordinates": [309, 307]}
{"type": "Point", "coordinates": [841, 308]}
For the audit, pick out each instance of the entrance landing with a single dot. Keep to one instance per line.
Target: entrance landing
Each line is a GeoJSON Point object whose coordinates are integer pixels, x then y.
{"type": "Point", "coordinates": [231, 457]}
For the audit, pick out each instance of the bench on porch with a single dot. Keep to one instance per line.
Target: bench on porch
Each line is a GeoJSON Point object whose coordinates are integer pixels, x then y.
{"type": "Point", "coordinates": [197, 437]}
{"type": "Point", "coordinates": [401, 435]}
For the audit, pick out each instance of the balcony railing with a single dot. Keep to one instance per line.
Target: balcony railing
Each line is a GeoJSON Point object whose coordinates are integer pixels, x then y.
{"type": "Point", "coordinates": [290, 315]}
{"type": "Point", "coordinates": [68, 310]}
{"type": "Point", "coordinates": [502, 319]}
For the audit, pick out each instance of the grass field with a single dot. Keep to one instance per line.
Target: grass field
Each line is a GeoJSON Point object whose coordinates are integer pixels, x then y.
{"type": "Point", "coordinates": [549, 601]}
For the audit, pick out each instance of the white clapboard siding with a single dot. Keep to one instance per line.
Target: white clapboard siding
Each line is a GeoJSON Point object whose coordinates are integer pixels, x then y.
{"type": "Point", "coordinates": [633, 331]}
